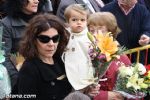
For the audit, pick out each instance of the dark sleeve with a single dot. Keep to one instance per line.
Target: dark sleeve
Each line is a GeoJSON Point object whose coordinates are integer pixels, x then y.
{"type": "Point", "coordinates": [27, 79]}
{"type": "Point", "coordinates": [61, 8]}
{"type": "Point", "coordinates": [7, 39]}
{"type": "Point", "coordinates": [108, 7]}
{"type": "Point", "coordinates": [145, 21]}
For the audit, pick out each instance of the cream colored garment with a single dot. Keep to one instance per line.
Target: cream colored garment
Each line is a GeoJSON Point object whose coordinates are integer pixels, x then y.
{"type": "Point", "coordinates": [78, 65]}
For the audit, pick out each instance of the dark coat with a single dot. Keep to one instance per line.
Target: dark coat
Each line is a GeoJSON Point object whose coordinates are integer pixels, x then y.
{"type": "Point", "coordinates": [107, 1]}
{"type": "Point", "coordinates": [147, 3]}
{"type": "Point", "coordinates": [12, 33]}
{"type": "Point", "coordinates": [41, 79]}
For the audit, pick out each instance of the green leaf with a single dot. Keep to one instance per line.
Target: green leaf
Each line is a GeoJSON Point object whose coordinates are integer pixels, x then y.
{"type": "Point", "coordinates": [90, 36]}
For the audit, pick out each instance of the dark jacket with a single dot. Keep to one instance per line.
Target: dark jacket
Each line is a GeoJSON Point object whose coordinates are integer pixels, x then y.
{"type": "Point", "coordinates": [43, 80]}
{"type": "Point", "coordinates": [147, 3]}
{"type": "Point", "coordinates": [12, 33]}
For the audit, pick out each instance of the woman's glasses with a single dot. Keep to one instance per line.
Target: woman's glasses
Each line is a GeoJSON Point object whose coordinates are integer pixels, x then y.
{"type": "Point", "coordinates": [46, 39]}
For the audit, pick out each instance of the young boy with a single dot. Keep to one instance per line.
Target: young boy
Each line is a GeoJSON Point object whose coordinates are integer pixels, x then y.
{"type": "Point", "coordinates": [78, 65]}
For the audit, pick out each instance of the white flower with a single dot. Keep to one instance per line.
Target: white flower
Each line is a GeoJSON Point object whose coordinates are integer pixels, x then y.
{"type": "Point", "coordinates": [125, 71]}
{"type": "Point", "coordinates": [141, 68]}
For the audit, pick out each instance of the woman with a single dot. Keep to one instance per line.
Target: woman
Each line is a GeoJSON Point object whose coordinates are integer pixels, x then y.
{"type": "Point", "coordinates": [43, 73]}
{"type": "Point", "coordinates": [105, 22]}
{"type": "Point", "coordinates": [19, 12]}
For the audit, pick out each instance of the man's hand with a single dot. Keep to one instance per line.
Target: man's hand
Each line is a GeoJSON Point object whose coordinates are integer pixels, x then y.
{"type": "Point", "coordinates": [144, 40]}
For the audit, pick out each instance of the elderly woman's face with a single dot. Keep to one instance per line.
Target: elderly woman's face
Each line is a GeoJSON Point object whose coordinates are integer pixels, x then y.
{"type": "Point", "coordinates": [98, 29]}
{"type": "Point", "coordinates": [47, 43]}
{"type": "Point", "coordinates": [31, 7]}
{"type": "Point", "coordinates": [127, 2]}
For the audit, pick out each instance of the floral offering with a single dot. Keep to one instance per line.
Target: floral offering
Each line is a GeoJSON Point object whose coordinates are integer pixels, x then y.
{"type": "Point", "coordinates": [133, 81]}
{"type": "Point", "coordinates": [102, 51]}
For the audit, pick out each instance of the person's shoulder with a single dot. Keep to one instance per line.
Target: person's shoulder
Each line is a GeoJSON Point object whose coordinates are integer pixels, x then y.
{"type": "Point", "coordinates": [140, 8]}
{"type": "Point", "coordinates": [109, 6]}
{"type": "Point", "coordinates": [7, 20]}
{"type": "Point", "coordinates": [29, 70]}
{"type": "Point", "coordinates": [66, 2]}
{"type": "Point", "coordinates": [29, 65]}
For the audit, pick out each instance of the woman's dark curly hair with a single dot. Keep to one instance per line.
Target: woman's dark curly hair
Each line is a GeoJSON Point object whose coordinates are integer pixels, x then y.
{"type": "Point", "coordinates": [14, 7]}
{"type": "Point", "coordinates": [38, 24]}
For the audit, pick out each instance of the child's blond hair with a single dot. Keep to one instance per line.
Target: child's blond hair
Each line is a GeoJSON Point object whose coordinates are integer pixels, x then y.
{"type": "Point", "coordinates": [81, 8]}
{"type": "Point", "coordinates": [107, 19]}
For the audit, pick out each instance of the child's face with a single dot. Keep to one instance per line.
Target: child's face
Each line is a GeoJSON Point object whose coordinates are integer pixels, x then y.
{"type": "Point", "coordinates": [77, 22]}
{"type": "Point", "coordinates": [97, 29]}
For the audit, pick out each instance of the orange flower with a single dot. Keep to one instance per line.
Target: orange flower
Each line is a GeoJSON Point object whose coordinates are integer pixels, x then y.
{"type": "Point", "coordinates": [107, 45]}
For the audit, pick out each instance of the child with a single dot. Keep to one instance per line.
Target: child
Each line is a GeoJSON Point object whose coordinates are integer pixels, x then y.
{"type": "Point", "coordinates": [78, 65]}
{"type": "Point", "coordinates": [106, 22]}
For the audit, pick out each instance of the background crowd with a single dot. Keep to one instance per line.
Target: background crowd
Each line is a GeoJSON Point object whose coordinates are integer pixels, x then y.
{"type": "Point", "coordinates": [44, 30]}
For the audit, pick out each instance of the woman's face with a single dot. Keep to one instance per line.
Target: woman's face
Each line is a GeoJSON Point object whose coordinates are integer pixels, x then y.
{"type": "Point", "coordinates": [31, 7]}
{"type": "Point", "coordinates": [47, 43]}
{"type": "Point", "coordinates": [97, 29]}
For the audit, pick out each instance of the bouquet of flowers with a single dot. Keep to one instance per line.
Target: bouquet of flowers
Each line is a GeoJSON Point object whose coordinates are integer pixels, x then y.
{"type": "Point", "coordinates": [147, 78]}
{"type": "Point", "coordinates": [102, 51]}
{"type": "Point", "coordinates": [133, 81]}
{"type": "Point", "coordinates": [5, 87]}
{"type": "Point", "coordinates": [147, 75]}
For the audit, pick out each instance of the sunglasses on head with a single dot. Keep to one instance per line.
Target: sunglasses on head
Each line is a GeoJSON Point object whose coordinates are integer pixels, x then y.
{"type": "Point", "coordinates": [46, 39]}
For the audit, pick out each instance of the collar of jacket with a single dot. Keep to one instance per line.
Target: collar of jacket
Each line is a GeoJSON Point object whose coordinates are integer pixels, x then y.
{"type": "Point", "coordinates": [18, 22]}
{"type": "Point", "coordinates": [78, 34]}
{"type": "Point", "coordinates": [46, 72]}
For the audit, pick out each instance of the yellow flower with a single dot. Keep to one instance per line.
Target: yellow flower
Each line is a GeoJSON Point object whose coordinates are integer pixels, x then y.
{"type": "Point", "coordinates": [107, 45]}
{"type": "Point", "coordinates": [132, 82]}
{"type": "Point", "coordinates": [148, 74]}
{"type": "Point", "coordinates": [143, 85]}
{"type": "Point", "coordinates": [136, 82]}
